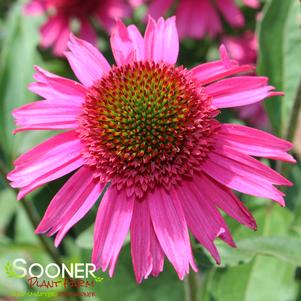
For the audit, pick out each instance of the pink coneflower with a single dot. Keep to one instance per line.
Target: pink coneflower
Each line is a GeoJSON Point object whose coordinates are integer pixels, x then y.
{"type": "Point", "coordinates": [55, 32]}
{"type": "Point", "coordinates": [196, 18]}
{"type": "Point", "coordinates": [244, 50]}
{"type": "Point", "coordinates": [149, 128]}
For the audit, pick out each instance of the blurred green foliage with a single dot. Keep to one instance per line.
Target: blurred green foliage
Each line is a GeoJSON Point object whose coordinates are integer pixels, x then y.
{"type": "Point", "coordinates": [264, 266]}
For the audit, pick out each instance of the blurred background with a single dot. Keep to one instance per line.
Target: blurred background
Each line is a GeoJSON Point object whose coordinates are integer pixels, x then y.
{"type": "Point", "coordinates": [266, 264]}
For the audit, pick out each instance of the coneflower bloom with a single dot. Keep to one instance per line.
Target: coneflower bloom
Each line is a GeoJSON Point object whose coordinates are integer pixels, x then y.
{"type": "Point", "coordinates": [196, 18]}
{"type": "Point", "coordinates": [244, 50]}
{"type": "Point", "coordinates": [55, 32]}
{"type": "Point", "coordinates": [148, 128]}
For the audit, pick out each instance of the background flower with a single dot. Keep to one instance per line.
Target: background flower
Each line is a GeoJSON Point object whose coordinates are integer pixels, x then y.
{"type": "Point", "coordinates": [197, 18]}
{"type": "Point", "coordinates": [55, 32]}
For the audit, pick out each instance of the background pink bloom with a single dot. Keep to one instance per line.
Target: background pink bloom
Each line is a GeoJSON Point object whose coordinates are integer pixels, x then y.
{"type": "Point", "coordinates": [148, 128]}
{"type": "Point", "coordinates": [196, 18]}
{"type": "Point", "coordinates": [55, 32]}
{"type": "Point", "coordinates": [252, 3]}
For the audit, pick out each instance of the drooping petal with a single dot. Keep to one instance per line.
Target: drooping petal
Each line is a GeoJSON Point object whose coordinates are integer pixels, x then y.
{"type": "Point", "coordinates": [171, 229]}
{"type": "Point", "coordinates": [141, 241]}
{"type": "Point", "coordinates": [214, 215]}
{"type": "Point", "coordinates": [88, 64]}
{"type": "Point", "coordinates": [254, 142]}
{"type": "Point", "coordinates": [201, 227]}
{"type": "Point", "coordinates": [111, 227]}
{"type": "Point", "coordinates": [47, 115]}
{"type": "Point", "coordinates": [239, 91]}
{"type": "Point", "coordinates": [46, 162]}
{"type": "Point", "coordinates": [161, 40]}
{"type": "Point", "coordinates": [127, 44]}
{"type": "Point", "coordinates": [71, 204]}
{"type": "Point", "coordinates": [156, 253]}
{"type": "Point", "coordinates": [238, 176]}
{"type": "Point", "coordinates": [56, 88]}
{"type": "Point", "coordinates": [226, 200]}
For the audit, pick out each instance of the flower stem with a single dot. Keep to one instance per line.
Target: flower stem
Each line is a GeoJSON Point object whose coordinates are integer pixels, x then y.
{"type": "Point", "coordinates": [191, 287]}
{"type": "Point", "coordinates": [293, 121]}
{"type": "Point", "coordinates": [291, 127]}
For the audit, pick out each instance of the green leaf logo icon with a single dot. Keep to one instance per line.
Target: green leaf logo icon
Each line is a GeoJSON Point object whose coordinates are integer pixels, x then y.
{"type": "Point", "coordinates": [10, 271]}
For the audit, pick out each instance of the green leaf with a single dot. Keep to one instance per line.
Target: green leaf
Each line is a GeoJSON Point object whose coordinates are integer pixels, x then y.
{"type": "Point", "coordinates": [8, 205]}
{"type": "Point", "coordinates": [279, 56]}
{"type": "Point", "coordinates": [264, 277]}
{"type": "Point", "coordinates": [18, 55]}
{"type": "Point", "coordinates": [24, 232]}
{"type": "Point", "coordinates": [85, 239]}
{"type": "Point", "coordinates": [284, 248]}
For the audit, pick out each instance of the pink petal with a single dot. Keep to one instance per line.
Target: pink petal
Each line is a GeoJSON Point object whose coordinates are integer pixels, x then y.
{"type": "Point", "coordinates": [47, 115]}
{"type": "Point", "coordinates": [239, 91]}
{"type": "Point", "coordinates": [231, 12]}
{"type": "Point", "coordinates": [127, 44]}
{"type": "Point", "coordinates": [46, 162]}
{"type": "Point", "coordinates": [216, 70]}
{"type": "Point", "coordinates": [88, 64]}
{"type": "Point", "coordinates": [254, 142]}
{"type": "Point", "coordinates": [215, 216]}
{"type": "Point", "coordinates": [141, 241]}
{"type": "Point", "coordinates": [171, 229]}
{"type": "Point", "coordinates": [111, 227]}
{"type": "Point", "coordinates": [53, 87]}
{"type": "Point", "coordinates": [226, 200]}
{"type": "Point", "coordinates": [238, 176]}
{"type": "Point", "coordinates": [156, 253]}
{"type": "Point", "coordinates": [161, 40]}
{"type": "Point", "coordinates": [202, 228]}
{"type": "Point", "coordinates": [71, 204]}
{"type": "Point", "coordinates": [260, 170]}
